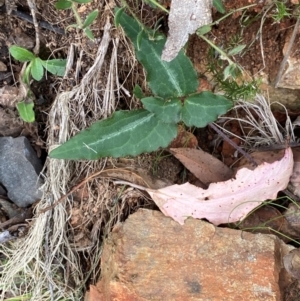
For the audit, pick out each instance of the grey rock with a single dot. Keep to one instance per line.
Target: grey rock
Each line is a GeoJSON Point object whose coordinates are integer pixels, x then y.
{"type": "Point", "coordinates": [19, 170]}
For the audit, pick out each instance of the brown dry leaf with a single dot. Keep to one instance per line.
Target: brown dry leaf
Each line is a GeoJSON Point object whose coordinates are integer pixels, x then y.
{"type": "Point", "coordinates": [264, 220]}
{"type": "Point", "coordinates": [204, 166]}
{"type": "Point", "coordinates": [184, 19]}
{"type": "Point", "coordinates": [291, 263]}
{"type": "Point", "coordinates": [226, 202]}
{"type": "Point", "coordinates": [261, 157]}
{"type": "Point", "coordinates": [184, 139]}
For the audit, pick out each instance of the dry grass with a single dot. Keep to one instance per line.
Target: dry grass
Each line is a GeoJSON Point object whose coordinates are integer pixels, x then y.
{"type": "Point", "coordinates": [48, 264]}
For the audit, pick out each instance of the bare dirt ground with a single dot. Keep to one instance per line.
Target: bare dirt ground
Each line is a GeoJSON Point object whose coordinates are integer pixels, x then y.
{"type": "Point", "coordinates": [96, 207]}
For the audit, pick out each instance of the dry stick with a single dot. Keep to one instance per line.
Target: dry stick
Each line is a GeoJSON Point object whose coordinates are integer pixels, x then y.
{"type": "Point", "coordinates": [61, 199]}
{"type": "Point", "coordinates": [241, 151]}
{"type": "Point", "coordinates": [32, 7]}
{"type": "Point", "coordinates": [287, 54]}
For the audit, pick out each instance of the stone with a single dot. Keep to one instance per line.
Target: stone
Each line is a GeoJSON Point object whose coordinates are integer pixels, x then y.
{"type": "Point", "coordinates": [19, 170]}
{"type": "Point", "coordinates": [152, 257]}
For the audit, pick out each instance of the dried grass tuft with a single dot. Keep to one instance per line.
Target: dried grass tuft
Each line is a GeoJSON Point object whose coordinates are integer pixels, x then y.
{"type": "Point", "coordinates": [48, 262]}
{"type": "Point", "coordinates": [258, 124]}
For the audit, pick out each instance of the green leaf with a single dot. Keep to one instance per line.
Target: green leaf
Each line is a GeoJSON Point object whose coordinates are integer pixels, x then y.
{"type": "Point", "coordinates": [167, 111]}
{"type": "Point", "coordinates": [26, 75]}
{"type": "Point", "coordinates": [203, 29]}
{"type": "Point", "coordinates": [82, 1]}
{"type": "Point", "coordinates": [55, 66]}
{"type": "Point", "coordinates": [218, 5]}
{"type": "Point", "coordinates": [21, 54]}
{"type": "Point", "coordinates": [203, 108]}
{"type": "Point", "coordinates": [26, 111]}
{"type": "Point", "coordinates": [90, 18]}
{"type": "Point", "coordinates": [118, 15]}
{"type": "Point", "coordinates": [166, 79]}
{"type": "Point", "coordinates": [138, 92]}
{"type": "Point", "coordinates": [232, 70]}
{"type": "Point", "coordinates": [236, 49]}
{"type": "Point", "coordinates": [63, 4]}
{"type": "Point", "coordinates": [37, 70]}
{"type": "Point", "coordinates": [89, 33]}
{"type": "Point", "coordinates": [125, 133]}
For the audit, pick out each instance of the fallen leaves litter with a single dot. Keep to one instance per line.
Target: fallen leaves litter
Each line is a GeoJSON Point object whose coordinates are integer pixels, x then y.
{"type": "Point", "coordinates": [204, 166]}
{"type": "Point", "coordinates": [226, 202]}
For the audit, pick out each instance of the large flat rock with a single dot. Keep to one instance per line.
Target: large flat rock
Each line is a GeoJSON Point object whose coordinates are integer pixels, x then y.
{"type": "Point", "coordinates": [19, 170]}
{"type": "Point", "coordinates": [152, 257]}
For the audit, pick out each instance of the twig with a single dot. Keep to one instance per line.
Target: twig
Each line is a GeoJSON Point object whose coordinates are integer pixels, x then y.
{"type": "Point", "coordinates": [32, 7]}
{"type": "Point", "coordinates": [43, 24]}
{"type": "Point", "coordinates": [61, 199]}
{"type": "Point", "coordinates": [241, 151]}
{"type": "Point", "coordinates": [287, 54]}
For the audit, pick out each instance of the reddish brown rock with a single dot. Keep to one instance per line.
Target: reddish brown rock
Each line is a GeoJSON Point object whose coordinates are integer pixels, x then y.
{"type": "Point", "coordinates": [151, 257]}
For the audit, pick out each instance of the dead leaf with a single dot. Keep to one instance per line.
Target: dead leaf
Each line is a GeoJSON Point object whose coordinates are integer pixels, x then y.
{"type": "Point", "coordinates": [184, 19]}
{"type": "Point", "coordinates": [226, 202]}
{"type": "Point", "coordinates": [184, 139]}
{"type": "Point", "coordinates": [204, 166]}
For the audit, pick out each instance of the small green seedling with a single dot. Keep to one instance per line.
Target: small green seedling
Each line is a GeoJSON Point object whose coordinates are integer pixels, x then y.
{"type": "Point", "coordinates": [281, 11]}
{"type": "Point", "coordinates": [34, 67]}
{"type": "Point", "coordinates": [80, 24]}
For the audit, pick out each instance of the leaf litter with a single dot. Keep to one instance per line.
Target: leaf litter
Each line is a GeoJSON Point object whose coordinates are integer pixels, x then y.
{"type": "Point", "coordinates": [229, 201]}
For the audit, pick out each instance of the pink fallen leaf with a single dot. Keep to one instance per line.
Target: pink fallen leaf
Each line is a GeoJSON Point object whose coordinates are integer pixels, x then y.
{"type": "Point", "coordinates": [226, 202]}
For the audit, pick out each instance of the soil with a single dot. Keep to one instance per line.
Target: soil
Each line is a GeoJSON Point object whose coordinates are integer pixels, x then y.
{"type": "Point", "coordinates": [254, 28]}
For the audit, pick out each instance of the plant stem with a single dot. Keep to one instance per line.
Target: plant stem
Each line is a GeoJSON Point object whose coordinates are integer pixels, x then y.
{"type": "Point", "coordinates": [77, 17]}
{"type": "Point", "coordinates": [230, 13]}
{"type": "Point", "coordinates": [240, 150]}
{"type": "Point", "coordinates": [216, 48]}
{"type": "Point", "coordinates": [158, 5]}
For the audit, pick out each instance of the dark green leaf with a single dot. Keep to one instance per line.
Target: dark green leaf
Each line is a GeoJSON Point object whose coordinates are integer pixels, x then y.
{"type": "Point", "coordinates": [219, 6]}
{"type": "Point", "coordinates": [21, 54]}
{"type": "Point", "coordinates": [89, 33]}
{"type": "Point", "coordinates": [90, 18]}
{"type": "Point", "coordinates": [125, 133]}
{"type": "Point", "coordinates": [26, 111]}
{"type": "Point", "coordinates": [63, 4]}
{"type": "Point", "coordinates": [37, 70]}
{"type": "Point", "coordinates": [138, 92]}
{"type": "Point", "coordinates": [118, 14]}
{"type": "Point", "coordinates": [166, 79]}
{"type": "Point", "coordinates": [203, 108]}
{"type": "Point", "coordinates": [56, 66]}
{"type": "Point", "coordinates": [165, 110]}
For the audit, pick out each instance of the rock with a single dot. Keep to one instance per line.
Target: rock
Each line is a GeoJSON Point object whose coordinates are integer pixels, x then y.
{"type": "Point", "coordinates": [151, 257]}
{"type": "Point", "coordinates": [19, 170]}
